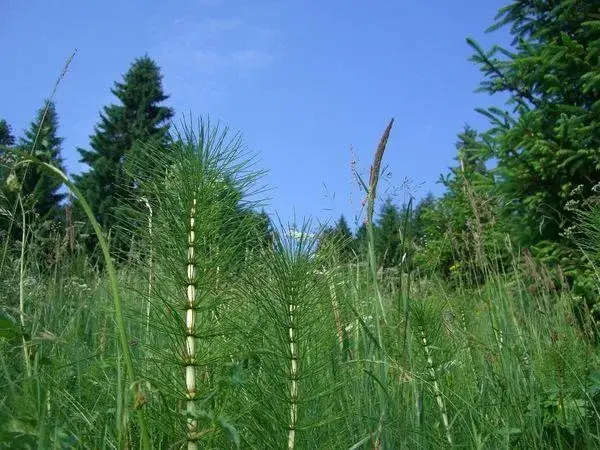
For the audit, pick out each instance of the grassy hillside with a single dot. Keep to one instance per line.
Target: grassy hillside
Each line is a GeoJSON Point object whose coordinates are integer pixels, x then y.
{"type": "Point", "coordinates": [201, 339]}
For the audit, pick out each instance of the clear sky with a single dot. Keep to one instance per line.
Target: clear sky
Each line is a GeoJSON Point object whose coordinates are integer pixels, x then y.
{"type": "Point", "coordinates": [304, 81]}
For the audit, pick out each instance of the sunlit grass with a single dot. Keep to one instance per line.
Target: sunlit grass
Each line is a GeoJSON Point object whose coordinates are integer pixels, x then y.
{"type": "Point", "coordinates": [282, 345]}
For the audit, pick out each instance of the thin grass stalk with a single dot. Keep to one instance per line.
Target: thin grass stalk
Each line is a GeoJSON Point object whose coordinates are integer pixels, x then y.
{"type": "Point", "coordinates": [404, 291]}
{"type": "Point", "coordinates": [371, 195]}
{"type": "Point", "coordinates": [380, 315]}
{"type": "Point", "coordinates": [150, 267]}
{"type": "Point", "coordinates": [22, 289]}
{"type": "Point", "coordinates": [112, 276]}
{"type": "Point", "coordinates": [190, 338]}
{"type": "Point", "coordinates": [120, 416]}
{"type": "Point", "coordinates": [335, 306]}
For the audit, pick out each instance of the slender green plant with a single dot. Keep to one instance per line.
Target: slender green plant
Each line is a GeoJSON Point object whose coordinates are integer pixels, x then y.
{"type": "Point", "coordinates": [289, 319]}
{"type": "Point", "coordinates": [197, 191]}
{"type": "Point", "coordinates": [114, 286]}
{"type": "Point", "coordinates": [381, 318]}
{"type": "Point", "coordinates": [26, 359]}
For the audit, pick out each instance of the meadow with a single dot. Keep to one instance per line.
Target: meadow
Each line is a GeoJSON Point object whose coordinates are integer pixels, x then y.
{"type": "Point", "coordinates": [204, 336]}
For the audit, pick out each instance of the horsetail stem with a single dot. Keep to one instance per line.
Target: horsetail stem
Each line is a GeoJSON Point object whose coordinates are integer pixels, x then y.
{"type": "Point", "coordinates": [293, 380]}
{"type": "Point", "coordinates": [190, 325]}
{"type": "Point", "coordinates": [337, 315]}
{"type": "Point", "coordinates": [436, 387]}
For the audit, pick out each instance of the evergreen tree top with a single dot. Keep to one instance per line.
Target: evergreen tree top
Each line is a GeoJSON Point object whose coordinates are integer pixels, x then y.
{"type": "Point", "coordinates": [342, 227]}
{"type": "Point", "coordinates": [41, 138]}
{"type": "Point", "coordinates": [6, 137]}
{"type": "Point", "coordinates": [138, 117]}
{"type": "Point", "coordinates": [120, 138]}
{"type": "Point", "coordinates": [142, 84]}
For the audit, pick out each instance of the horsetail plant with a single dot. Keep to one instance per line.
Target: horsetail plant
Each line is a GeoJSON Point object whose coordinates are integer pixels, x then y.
{"type": "Point", "coordinates": [197, 190]}
{"type": "Point", "coordinates": [288, 317]}
{"type": "Point", "coordinates": [190, 338]}
{"type": "Point", "coordinates": [425, 323]}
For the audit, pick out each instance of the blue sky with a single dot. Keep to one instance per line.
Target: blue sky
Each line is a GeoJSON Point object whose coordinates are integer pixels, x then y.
{"type": "Point", "coordinates": [311, 85]}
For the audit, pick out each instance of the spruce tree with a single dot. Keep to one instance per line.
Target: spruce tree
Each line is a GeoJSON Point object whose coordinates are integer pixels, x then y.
{"type": "Point", "coordinates": [262, 228]}
{"type": "Point", "coordinates": [387, 234]}
{"type": "Point", "coordinates": [456, 230]}
{"type": "Point", "coordinates": [6, 137]}
{"type": "Point", "coordinates": [41, 190]}
{"type": "Point", "coordinates": [546, 146]}
{"type": "Point", "coordinates": [344, 235]}
{"type": "Point", "coordinates": [137, 119]}
{"type": "Point", "coordinates": [7, 140]}
{"type": "Point", "coordinates": [339, 239]}
{"type": "Point", "coordinates": [360, 242]}
{"type": "Point", "coordinates": [40, 195]}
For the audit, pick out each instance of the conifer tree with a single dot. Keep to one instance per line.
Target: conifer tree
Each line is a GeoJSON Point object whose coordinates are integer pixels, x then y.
{"type": "Point", "coordinates": [344, 235]}
{"type": "Point", "coordinates": [138, 118]}
{"type": "Point", "coordinates": [6, 137]}
{"type": "Point", "coordinates": [339, 237]}
{"type": "Point", "coordinates": [421, 222]}
{"type": "Point", "coordinates": [546, 147]}
{"type": "Point", "coordinates": [262, 228]}
{"type": "Point", "coordinates": [387, 234]}
{"type": "Point", "coordinates": [360, 243]}
{"type": "Point", "coordinates": [40, 195]}
{"type": "Point", "coordinates": [40, 190]}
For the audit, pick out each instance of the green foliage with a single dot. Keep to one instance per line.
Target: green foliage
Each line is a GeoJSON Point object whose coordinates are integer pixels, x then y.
{"type": "Point", "coordinates": [393, 229]}
{"type": "Point", "coordinates": [289, 327]}
{"type": "Point", "coordinates": [40, 193]}
{"type": "Point", "coordinates": [6, 137]}
{"type": "Point", "coordinates": [339, 239]}
{"type": "Point", "coordinates": [387, 235]}
{"type": "Point", "coordinates": [546, 147]}
{"type": "Point", "coordinates": [198, 229]}
{"type": "Point", "coordinates": [287, 341]}
{"type": "Point", "coordinates": [8, 327]}
{"type": "Point", "coordinates": [41, 140]}
{"type": "Point", "coordinates": [7, 159]}
{"type": "Point", "coordinates": [120, 135]}
{"type": "Point", "coordinates": [460, 234]}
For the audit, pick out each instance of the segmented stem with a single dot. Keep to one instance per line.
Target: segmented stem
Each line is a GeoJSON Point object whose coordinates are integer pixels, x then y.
{"type": "Point", "coordinates": [190, 338]}
{"type": "Point", "coordinates": [337, 315]}
{"type": "Point", "coordinates": [436, 387]}
{"type": "Point", "coordinates": [293, 380]}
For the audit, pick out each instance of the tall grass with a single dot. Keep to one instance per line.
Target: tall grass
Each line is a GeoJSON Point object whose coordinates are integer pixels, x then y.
{"type": "Point", "coordinates": [280, 345]}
